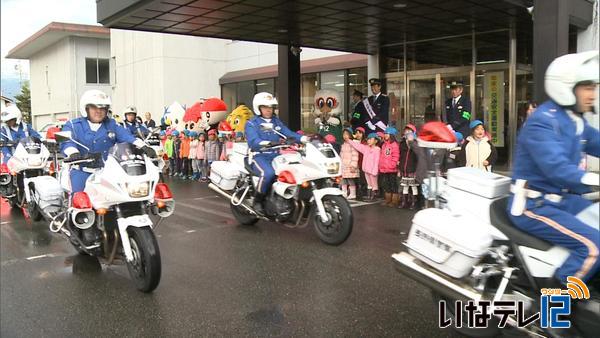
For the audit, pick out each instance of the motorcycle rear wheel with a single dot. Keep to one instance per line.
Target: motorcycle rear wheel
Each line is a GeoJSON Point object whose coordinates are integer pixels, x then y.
{"type": "Point", "coordinates": [145, 269]}
{"type": "Point", "coordinates": [33, 210]}
{"type": "Point", "coordinates": [339, 228]}
{"type": "Point", "coordinates": [243, 216]}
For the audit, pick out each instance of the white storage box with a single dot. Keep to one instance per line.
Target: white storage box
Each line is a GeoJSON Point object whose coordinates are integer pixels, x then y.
{"type": "Point", "coordinates": [451, 244]}
{"type": "Point", "coordinates": [479, 182]}
{"type": "Point", "coordinates": [224, 175]}
{"type": "Point", "coordinates": [465, 203]}
{"type": "Point", "coordinates": [49, 191]}
{"type": "Point", "coordinates": [240, 148]}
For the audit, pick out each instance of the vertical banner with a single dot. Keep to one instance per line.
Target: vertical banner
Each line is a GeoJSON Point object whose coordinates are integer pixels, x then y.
{"type": "Point", "coordinates": [494, 106]}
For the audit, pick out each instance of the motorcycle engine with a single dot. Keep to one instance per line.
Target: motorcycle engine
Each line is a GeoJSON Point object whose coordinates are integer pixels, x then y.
{"type": "Point", "coordinates": [278, 206]}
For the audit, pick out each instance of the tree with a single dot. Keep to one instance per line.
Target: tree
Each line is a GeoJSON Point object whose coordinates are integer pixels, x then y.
{"type": "Point", "coordinates": [23, 101]}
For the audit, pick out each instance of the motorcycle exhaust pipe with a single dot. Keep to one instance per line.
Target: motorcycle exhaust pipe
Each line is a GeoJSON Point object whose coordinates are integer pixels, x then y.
{"type": "Point", "coordinates": [83, 219]}
{"type": "Point", "coordinates": [410, 267]}
{"type": "Point", "coordinates": [229, 197]}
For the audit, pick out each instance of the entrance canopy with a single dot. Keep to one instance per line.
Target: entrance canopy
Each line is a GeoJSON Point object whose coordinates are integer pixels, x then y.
{"type": "Point", "coordinates": [365, 26]}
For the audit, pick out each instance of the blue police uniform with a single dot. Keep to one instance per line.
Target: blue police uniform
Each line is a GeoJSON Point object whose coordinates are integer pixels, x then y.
{"type": "Point", "coordinates": [459, 115]}
{"type": "Point", "coordinates": [98, 141]}
{"type": "Point", "coordinates": [548, 153]}
{"type": "Point", "coordinates": [262, 162]}
{"type": "Point", "coordinates": [136, 129]}
{"type": "Point", "coordinates": [8, 134]}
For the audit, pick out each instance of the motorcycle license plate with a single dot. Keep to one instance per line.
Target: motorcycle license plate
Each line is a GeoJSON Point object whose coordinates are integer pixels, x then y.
{"type": "Point", "coordinates": [136, 221]}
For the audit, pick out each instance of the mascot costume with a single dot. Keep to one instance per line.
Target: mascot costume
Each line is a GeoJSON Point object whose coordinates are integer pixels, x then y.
{"type": "Point", "coordinates": [205, 115]}
{"type": "Point", "coordinates": [328, 107]}
{"type": "Point", "coordinates": [238, 118]}
{"type": "Point", "coordinates": [173, 117]}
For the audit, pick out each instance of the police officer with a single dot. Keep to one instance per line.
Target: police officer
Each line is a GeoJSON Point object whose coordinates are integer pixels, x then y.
{"type": "Point", "coordinates": [95, 131]}
{"type": "Point", "coordinates": [131, 123]}
{"type": "Point", "coordinates": [377, 108]}
{"type": "Point", "coordinates": [458, 109]}
{"type": "Point", "coordinates": [547, 176]}
{"type": "Point", "coordinates": [13, 129]}
{"type": "Point", "coordinates": [260, 133]}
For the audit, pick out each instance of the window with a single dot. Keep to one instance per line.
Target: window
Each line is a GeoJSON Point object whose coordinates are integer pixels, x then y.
{"type": "Point", "coordinates": [245, 92]}
{"type": "Point", "coordinates": [357, 80]}
{"type": "Point", "coordinates": [97, 71]}
{"type": "Point", "coordinates": [309, 84]}
{"type": "Point", "coordinates": [266, 85]}
{"type": "Point", "coordinates": [229, 95]}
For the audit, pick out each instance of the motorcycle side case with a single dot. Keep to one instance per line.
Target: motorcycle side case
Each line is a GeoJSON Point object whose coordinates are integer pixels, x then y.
{"type": "Point", "coordinates": [479, 182]}
{"type": "Point", "coordinates": [224, 175]}
{"type": "Point", "coordinates": [450, 243]}
{"type": "Point", "coordinates": [49, 191]}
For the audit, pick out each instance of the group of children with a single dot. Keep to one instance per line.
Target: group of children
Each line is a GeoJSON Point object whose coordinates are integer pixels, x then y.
{"type": "Point", "coordinates": [378, 163]}
{"type": "Point", "coordinates": [191, 153]}
{"type": "Point", "coordinates": [374, 165]}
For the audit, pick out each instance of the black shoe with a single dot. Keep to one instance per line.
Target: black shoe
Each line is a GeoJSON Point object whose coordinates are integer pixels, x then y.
{"type": "Point", "coordinates": [257, 205]}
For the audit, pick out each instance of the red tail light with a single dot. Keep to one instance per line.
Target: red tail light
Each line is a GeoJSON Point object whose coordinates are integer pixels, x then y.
{"type": "Point", "coordinates": [50, 133]}
{"type": "Point", "coordinates": [4, 169]}
{"type": "Point", "coordinates": [286, 177]}
{"type": "Point", "coordinates": [162, 192]}
{"type": "Point", "coordinates": [81, 200]}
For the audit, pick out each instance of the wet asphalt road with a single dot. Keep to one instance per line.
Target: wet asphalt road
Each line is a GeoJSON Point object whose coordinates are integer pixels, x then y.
{"type": "Point", "coordinates": [218, 279]}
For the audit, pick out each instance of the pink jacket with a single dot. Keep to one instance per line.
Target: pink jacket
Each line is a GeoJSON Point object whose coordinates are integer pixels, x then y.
{"type": "Point", "coordinates": [390, 155]}
{"type": "Point", "coordinates": [201, 151]}
{"type": "Point", "coordinates": [370, 164]}
{"type": "Point", "coordinates": [349, 157]}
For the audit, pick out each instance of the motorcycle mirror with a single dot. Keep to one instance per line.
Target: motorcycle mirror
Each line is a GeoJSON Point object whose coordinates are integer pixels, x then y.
{"type": "Point", "coordinates": [266, 126]}
{"type": "Point", "coordinates": [62, 136]}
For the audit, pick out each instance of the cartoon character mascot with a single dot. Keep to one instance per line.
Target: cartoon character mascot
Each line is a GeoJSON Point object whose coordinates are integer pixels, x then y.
{"type": "Point", "coordinates": [328, 107]}
{"type": "Point", "coordinates": [173, 117]}
{"type": "Point", "coordinates": [238, 117]}
{"type": "Point", "coordinates": [205, 114]}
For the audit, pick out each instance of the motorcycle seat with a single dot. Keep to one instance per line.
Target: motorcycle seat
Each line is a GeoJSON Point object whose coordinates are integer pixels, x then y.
{"type": "Point", "coordinates": [499, 218]}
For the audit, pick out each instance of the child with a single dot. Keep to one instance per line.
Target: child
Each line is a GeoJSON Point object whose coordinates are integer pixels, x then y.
{"type": "Point", "coordinates": [388, 167]}
{"type": "Point", "coordinates": [193, 152]}
{"type": "Point", "coordinates": [407, 168]}
{"type": "Point", "coordinates": [361, 189]}
{"type": "Point", "coordinates": [227, 146]}
{"type": "Point", "coordinates": [239, 137]}
{"type": "Point", "coordinates": [213, 147]}
{"type": "Point", "coordinates": [176, 152]}
{"type": "Point", "coordinates": [169, 149]}
{"type": "Point", "coordinates": [350, 168]}
{"type": "Point", "coordinates": [478, 151]}
{"type": "Point", "coordinates": [330, 138]}
{"type": "Point", "coordinates": [202, 165]}
{"type": "Point", "coordinates": [184, 154]}
{"type": "Point", "coordinates": [370, 164]}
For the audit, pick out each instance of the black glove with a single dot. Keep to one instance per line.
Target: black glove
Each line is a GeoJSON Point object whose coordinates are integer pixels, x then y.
{"type": "Point", "coordinates": [73, 157]}
{"type": "Point", "coordinates": [149, 151]}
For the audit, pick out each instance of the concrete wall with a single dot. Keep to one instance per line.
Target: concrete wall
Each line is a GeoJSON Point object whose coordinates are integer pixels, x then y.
{"type": "Point", "coordinates": [50, 81]}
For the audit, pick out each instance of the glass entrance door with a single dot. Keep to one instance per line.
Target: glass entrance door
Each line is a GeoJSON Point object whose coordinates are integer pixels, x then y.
{"type": "Point", "coordinates": [421, 103]}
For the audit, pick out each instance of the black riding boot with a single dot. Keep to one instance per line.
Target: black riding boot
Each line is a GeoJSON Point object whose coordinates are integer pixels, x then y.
{"type": "Point", "coordinates": [258, 203]}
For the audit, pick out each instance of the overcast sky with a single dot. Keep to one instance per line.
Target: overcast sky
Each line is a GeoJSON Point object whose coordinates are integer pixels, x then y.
{"type": "Point", "coordinates": [22, 18]}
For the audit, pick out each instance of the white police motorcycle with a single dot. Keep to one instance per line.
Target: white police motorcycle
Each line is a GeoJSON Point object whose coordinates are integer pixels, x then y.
{"type": "Point", "coordinates": [304, 191]}
{"type": "Point", "coordinates": [110, 218]}
{"type": "Point", "coordinates": [467, 249]}
{"type": "Point", "coordinates": [26, 182]}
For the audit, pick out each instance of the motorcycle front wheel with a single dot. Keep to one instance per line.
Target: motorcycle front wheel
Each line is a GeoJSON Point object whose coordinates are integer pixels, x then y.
{"type": "Point", "coordinates": [242, 215]}
{"type": "Point", "coordinates": [145, 268]}
{"type": "Point", "coordinates": [339, 227]}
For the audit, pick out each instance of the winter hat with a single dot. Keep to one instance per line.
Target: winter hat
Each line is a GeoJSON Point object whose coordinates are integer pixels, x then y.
{"type": "Point", "coordinates": [162, 133]}
{"type": "Point", "coordinates": [391, 131]}
{"type": "Point", "coordinates": [459, 136]}
{"type": "Point", "coordinates": [329, 138]}
{"type": "Point", "coordinates": [193, 134]}
{"type": "Point", "coordinates": [361, 129]}
{"type": "Point", "coordinates": [212, 132]}
{"type": "Point", "coordinates": [380, 134]}
{"type": "Point", "coordinates": [239, 134]}
{"type": "Point", "coordinates": [411, 127]}
{"type": "Point", "coordinates": [175, 133]}
{"type": "Point", "coordinates": [373, 135]}
{"type": "Point", "coordinates": [349, 129]}
{"type": "Point", "coordinates": [475, 123]}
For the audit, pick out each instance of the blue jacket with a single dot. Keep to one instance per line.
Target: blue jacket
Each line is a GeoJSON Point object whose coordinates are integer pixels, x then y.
{"type": "Point", "coordinates": [254, 135]}
{"type": "Point", "coordinates": [98, 141]}
{"type": "Point", "coordinates": [8, 134]}
{"type": "Point", "coordinates": [136, 128]}
{"type": "Point", "coordinates": [549, 149]}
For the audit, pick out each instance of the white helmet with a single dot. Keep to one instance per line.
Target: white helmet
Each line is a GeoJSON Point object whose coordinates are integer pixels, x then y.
{"type": "Point", "coordinates": [263, 99]}
{"type": "Point", "coordinates": [130, 110]}
{"type": "Point", "coordinates": [11, 112]}
{"type": "Point", "coordinates": [567, 71]}
{"type": "Point", "coordinates": [95, 97]}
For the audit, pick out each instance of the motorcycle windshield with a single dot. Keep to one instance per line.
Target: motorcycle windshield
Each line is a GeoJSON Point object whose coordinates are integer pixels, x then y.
{"type": "Point", "coordinates": [32, 145]}
{"type": "Point", "coordinates": [130, 158]}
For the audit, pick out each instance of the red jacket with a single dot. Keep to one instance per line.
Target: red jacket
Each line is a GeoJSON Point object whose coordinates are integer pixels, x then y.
{"type": "Point", "coordinates": [388, 157]}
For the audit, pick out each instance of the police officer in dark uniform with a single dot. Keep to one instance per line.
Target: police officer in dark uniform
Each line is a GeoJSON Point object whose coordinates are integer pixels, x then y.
{"type": "Point", "coordinates": [377, 108]}
{"type": "Point", "coordinates": [458, 109]}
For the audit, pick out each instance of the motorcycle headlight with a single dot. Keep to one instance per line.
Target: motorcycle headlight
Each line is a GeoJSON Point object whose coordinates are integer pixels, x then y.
{"type": "Point", "coordinates": [333, 168]}
{"type": "Point", "coordinates": [34, 161]}
{"type": "Point", "coordinates": [138, 190]}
